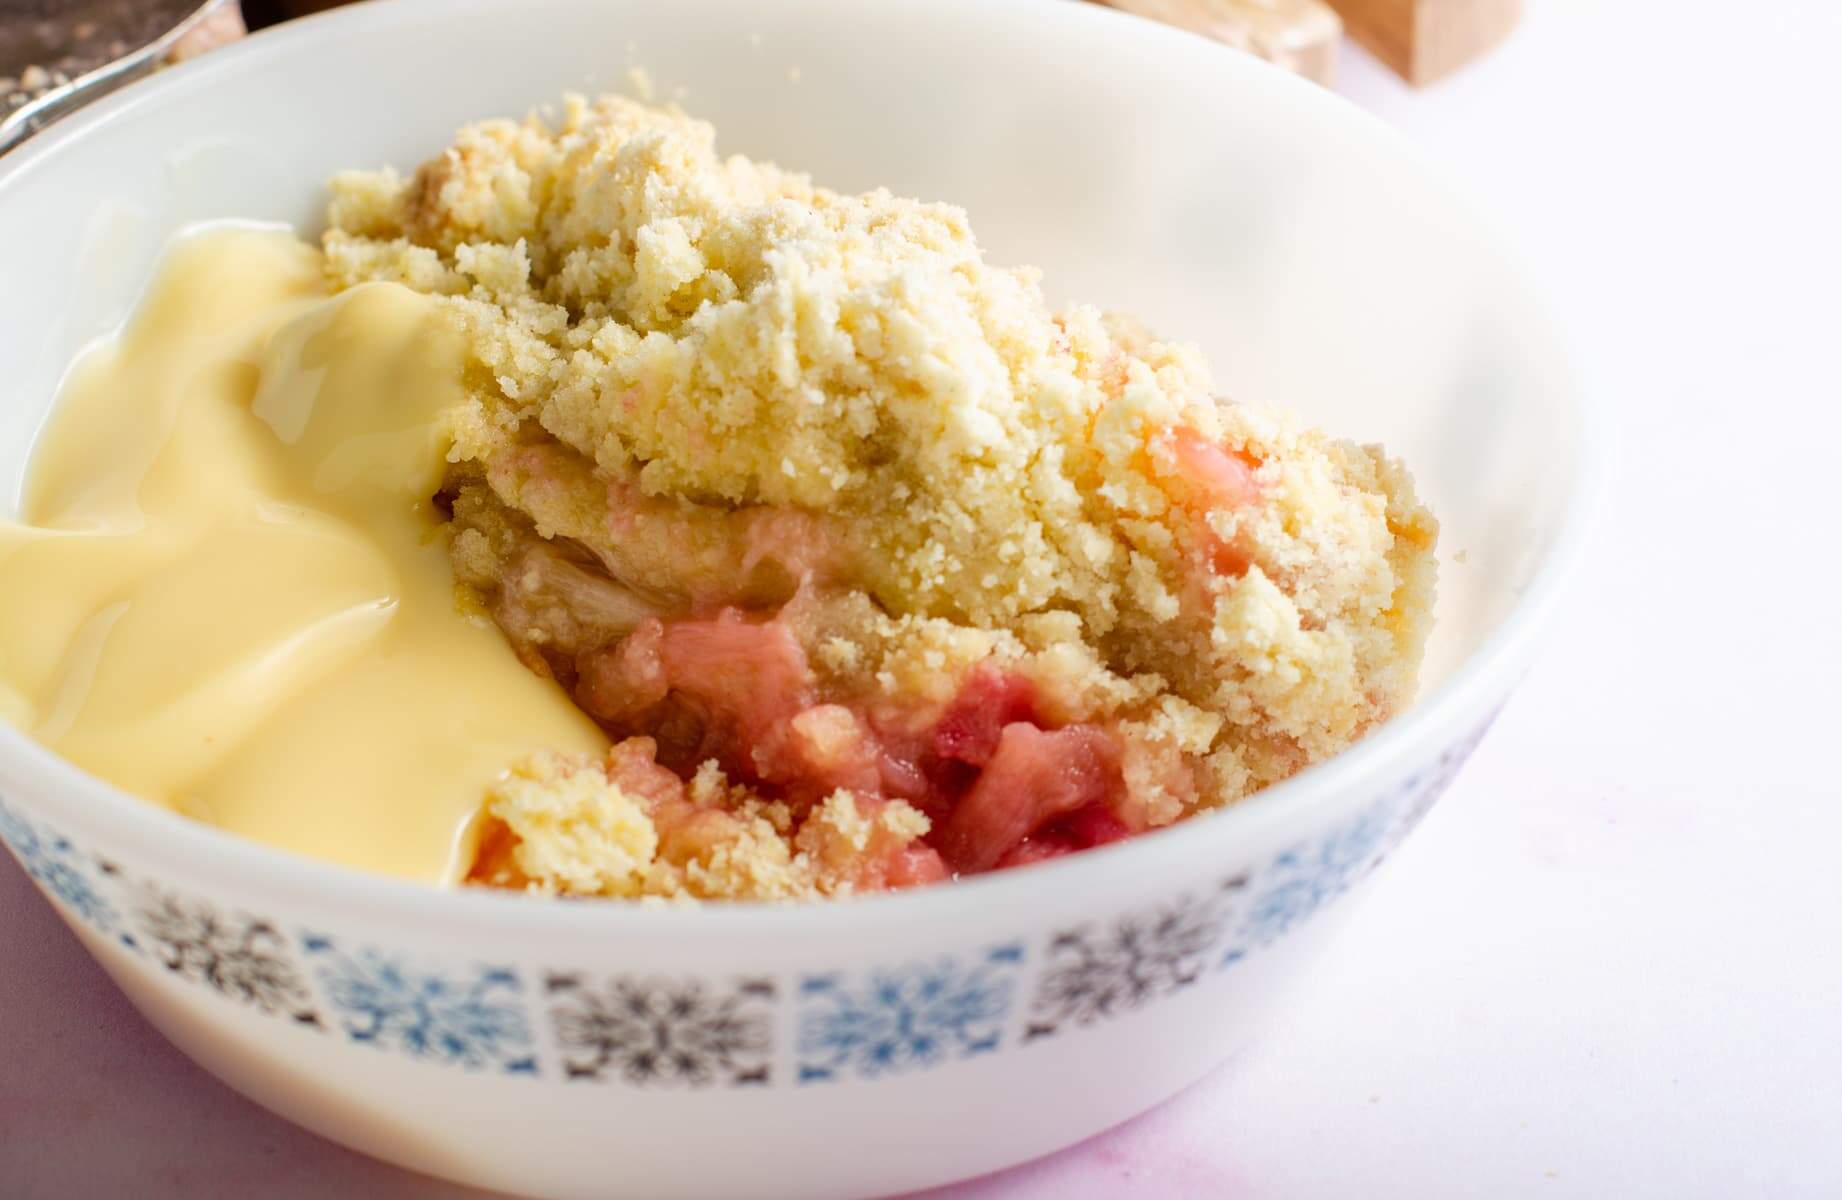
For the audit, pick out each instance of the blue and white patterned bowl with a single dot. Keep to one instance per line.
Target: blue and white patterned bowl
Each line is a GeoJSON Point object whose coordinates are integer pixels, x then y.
{"type": "Point", "coordinates": [578, 1049]}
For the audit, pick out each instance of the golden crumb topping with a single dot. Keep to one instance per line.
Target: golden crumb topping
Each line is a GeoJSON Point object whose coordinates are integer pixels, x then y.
{"type": "Point", "coordinates": [575, 826]}
{"type": "Point", "coordinates": [690, 364]}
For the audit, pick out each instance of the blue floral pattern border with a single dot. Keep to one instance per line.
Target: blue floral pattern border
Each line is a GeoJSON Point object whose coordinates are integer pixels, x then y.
{"type": "Point", "coordinates": [62, 870]}
{"type": "Point", "coordinates": [656, 1031]}
{"type": "Point", "coordinates": [474, 1018]}
{"type": "Point", "coordinates": [1301, 880]}
{"type": "Point", "coordinates": [244, 958]}
{"type": "Point", "coordinates": [896, 1019]}
{"type": "Point", "coordinates": [1105, 968]}
{"type": "Point", "coordinates": [665, 1032]}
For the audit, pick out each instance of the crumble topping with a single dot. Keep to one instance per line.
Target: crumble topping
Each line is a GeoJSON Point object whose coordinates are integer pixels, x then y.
{"type": "Point", "coordinates": [626, 827]}
{"type": "Point", "coordinates": [784, 483]}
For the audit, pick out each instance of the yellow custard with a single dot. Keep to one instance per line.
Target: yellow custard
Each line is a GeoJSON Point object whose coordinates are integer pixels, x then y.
{"type": "Point", "coordinates": [230, 589]}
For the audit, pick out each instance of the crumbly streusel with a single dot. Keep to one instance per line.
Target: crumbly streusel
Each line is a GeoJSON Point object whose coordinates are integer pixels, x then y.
{"type": "Point", "coordinates": [720, 415]}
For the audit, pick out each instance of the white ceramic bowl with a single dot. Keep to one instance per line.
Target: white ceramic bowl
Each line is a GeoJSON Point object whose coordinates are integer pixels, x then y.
{"type": "Point", "coordinates": [859, 1048]}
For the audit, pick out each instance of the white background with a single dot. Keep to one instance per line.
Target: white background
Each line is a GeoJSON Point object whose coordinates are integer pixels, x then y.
{"type": "Point", "coordinates": [1610, 964]}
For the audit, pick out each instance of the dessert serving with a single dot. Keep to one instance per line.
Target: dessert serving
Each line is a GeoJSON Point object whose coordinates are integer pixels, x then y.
{"type": "Point", "coordinates": [597, 515]}
{"type": "Point", "coordinates": [420, 615]}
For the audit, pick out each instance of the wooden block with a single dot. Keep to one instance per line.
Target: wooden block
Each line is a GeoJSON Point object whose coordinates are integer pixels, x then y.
{"type": "Point", "coordinates": [1426, 40]}
{"type": "Point", "coordinates": [1299, 35]}
{"type": "Point", "coordinates": [222, 26]}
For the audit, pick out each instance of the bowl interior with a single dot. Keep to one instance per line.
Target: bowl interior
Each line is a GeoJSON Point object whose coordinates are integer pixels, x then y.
{"type": "Point", "coordinates": [1303, 247]}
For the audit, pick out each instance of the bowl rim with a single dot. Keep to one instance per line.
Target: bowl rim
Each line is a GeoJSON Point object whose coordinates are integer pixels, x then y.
{"type": "Point", "coordinates": [1482, 679]}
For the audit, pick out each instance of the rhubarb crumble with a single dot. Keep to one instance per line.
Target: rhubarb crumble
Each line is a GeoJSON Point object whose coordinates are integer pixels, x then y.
{"type": "Point", "coordinates": [875, 569]}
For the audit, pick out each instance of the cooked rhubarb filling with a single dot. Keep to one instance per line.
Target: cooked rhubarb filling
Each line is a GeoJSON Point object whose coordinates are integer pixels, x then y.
{"type": "Point", "coordinates": [875, 569]}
